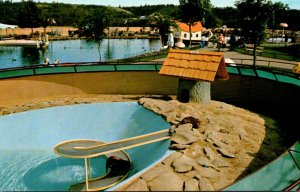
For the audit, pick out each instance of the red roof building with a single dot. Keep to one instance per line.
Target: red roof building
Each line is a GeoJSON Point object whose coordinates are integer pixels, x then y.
{"type": "Point", "coordinates": [183, 31]}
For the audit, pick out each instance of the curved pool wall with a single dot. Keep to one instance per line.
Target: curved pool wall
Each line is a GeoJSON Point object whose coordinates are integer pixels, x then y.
{"type": "Point", "coordinates": [27, 139]}
{"type": "Point", "coordinates": [264, 90]}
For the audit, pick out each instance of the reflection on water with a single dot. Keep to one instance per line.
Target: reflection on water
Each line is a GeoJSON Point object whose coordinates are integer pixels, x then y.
{"type": "Point", "coordinates": [76, 51]}
{"type": "Point", "coordinates": [41, 170]}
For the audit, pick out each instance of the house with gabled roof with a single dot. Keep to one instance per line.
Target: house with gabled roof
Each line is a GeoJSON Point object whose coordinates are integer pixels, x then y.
{"type": "Point", "coordinates": [183, 32]}
{"type": "Point", "coordinates": [196, 71]}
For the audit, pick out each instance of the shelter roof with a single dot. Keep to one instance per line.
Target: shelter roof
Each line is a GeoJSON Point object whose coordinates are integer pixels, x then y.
{"type": "Point", "coordinates": [4, 26]}
{"type": "Point", "coordinates": [185, 27]}
{"type": "Point", "coordinates": [195, 65]}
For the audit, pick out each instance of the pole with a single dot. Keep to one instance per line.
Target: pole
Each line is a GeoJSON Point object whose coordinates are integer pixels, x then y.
{"type": "Point", "coordinates": [282, 34]}
{"type": "Point", "coordinates": [86, 174]}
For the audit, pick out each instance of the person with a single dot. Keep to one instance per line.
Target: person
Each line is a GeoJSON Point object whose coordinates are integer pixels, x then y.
{"type": "Point", "coordinates": [56, 61]}
{"type": "Point", "coordinates": [286, 39]}
{"type": "Point", "coordinates": [46, 61]}
{"type": "Point", "coordinates": [214, 40]}
{"type": "Point", "coordinates": [220, 41]}
{"type": "Point", "coordinates": [296, 68]}
{"type": "Point", "coordinates": [232, 42]}
{"type": "Point", "coordinates": [203, 40]}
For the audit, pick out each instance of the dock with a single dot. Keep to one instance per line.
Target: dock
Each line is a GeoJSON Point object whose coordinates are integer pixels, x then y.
{"type": "Point", "coordinates": [23, 42]}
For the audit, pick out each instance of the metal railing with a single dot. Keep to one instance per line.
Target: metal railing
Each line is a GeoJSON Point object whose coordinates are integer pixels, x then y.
{"type": "Point", "coordinates": [241, 67]}
{"type": "Point", "coordinates": [267, 63]}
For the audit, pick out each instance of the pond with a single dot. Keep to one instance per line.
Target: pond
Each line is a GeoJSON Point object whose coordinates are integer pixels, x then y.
{"type": "Point", "coordinates": [77, 51]}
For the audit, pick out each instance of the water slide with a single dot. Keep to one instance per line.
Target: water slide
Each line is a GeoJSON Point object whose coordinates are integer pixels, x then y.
{"type": "Point", "coordinates": [117, 164]}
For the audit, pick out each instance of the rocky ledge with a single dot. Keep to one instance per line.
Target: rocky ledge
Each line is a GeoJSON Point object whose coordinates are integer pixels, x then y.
{"type": "Point", "coordinates": [215, 144]}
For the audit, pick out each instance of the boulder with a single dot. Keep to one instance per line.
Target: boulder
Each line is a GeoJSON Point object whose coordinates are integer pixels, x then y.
{"type": "Point", "coordinates": [166, 181]}
{"type": "Point", "coordinates": [138, 185]}
{"type": "Point", "coordinates": [191, 185]}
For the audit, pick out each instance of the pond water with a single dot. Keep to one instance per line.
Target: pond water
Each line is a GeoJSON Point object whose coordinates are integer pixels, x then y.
{"type": "Point", "coordinates": [77, 51]}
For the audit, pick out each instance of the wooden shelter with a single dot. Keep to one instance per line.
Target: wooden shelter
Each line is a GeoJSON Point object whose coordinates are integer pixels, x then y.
{"type": "Point", "coordinates": [196, 70]}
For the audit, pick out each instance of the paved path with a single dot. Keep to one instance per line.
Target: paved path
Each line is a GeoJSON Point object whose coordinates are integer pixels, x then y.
{"type": "Point", "coordinates": [244, 59]}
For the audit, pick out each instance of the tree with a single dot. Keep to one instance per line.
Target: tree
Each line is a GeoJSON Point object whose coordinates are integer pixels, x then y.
{"type": "Point", "coordinates": [93, 27]}
{"type": "Point", "coordinates": [162, 23]}
{"type": "Point", "coordinates": [254, 16]}
{"type": "Point", "coordinates": [193, 11]}
{"type": "Point", "coordinates": [29, 15]}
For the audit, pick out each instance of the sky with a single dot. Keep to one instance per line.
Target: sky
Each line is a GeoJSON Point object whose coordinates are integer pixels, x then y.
{"type": "Point", "coordinates": [293, 4]}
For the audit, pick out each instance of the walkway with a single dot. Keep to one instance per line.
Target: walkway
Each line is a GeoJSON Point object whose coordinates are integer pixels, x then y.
{"type": "Point", "coordinates": [244, 59]}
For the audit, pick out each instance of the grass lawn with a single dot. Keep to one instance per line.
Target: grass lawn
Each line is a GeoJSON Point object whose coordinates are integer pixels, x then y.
{"type": "Point", "coordinates": [290, 53]}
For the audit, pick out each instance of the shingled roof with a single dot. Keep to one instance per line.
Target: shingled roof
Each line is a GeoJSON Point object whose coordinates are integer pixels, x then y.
{"type": "Point", "coordinates": [195, 65]}
{"type": "Point", "coordinates": [185, 27]}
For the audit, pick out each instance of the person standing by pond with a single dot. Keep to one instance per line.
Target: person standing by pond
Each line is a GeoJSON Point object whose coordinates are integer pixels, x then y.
{"type": "Point", "coordinates": [220, 41]}
{"type": "Point", "coordinates": [214, 40]}
{"type": "Point", "coordinates": [286, 39]}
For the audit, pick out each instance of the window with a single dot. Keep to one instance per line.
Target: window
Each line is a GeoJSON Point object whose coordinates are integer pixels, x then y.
{"type": "Point", "coordinates": [184, 35]}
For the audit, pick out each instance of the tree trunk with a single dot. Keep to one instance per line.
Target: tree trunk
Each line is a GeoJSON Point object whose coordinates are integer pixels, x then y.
{"type": "Point", "coordinates": [194, 91]}
{"type": "Point", "coordinates": [190, 29]}
{"type": "Point", "coordinates": [99, 49]}
{"type": "Point", "coordinates": [254, 54]}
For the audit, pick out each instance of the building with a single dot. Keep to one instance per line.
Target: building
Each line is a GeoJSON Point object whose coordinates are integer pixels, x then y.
{"type": "Point", "coordinates": [183, 32]}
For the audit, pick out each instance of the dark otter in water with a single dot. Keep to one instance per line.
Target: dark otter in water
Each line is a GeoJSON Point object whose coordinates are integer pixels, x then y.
{"type": "Point", "coordinates": [117, 166]}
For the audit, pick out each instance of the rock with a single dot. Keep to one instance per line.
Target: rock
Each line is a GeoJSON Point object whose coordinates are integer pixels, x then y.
{"type": "Point", "coordinates": [178, 146]}
{"type": "Point", "coordinates": [220, 163]}
{"type": "Point", "coordinates": [169, 160]}
{"type": "Point", "coordinates": [184, 128]}
{"type": "Point", "coordinates": [183, 164]}
{"type": "Point", "coordinates": [204, 162]}
{"type": "Point", "coordinates": [191, 185]}
{"type": "Point", "coordinates": [209, 173]}
{"type": "Point", "coordinates": [183, 168]}
{"type": "Point", "coordinates": [209, 153]}
{"type": "Point", "coordinates": [138, 185]}
{"type": "Point", "coordinates": [156, 171]}
{"type": "Point", "coordinates": [194, 151]}
{"type": "Point", "coordinates": [184, 138]}
{"type": "Point", "coordinates": [225, 153]}
{"type": "Point", "coordinates": [167, 181]}
{"type": "Point", "coordinates": [224, 131]}
{"type": "Point", "coordinates": [205, 185]}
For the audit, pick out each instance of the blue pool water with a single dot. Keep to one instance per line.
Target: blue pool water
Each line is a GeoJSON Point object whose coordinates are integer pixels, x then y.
{"type": "Point", "coordinates": [27, 160]}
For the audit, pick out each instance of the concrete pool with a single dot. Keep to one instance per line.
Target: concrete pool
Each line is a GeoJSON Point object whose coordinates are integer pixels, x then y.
{"type": "Point", "coordinates": [27, 140]}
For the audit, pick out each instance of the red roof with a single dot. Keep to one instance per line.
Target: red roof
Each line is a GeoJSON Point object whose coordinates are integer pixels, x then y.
{"type": "Point", "coordinates": [185, 27]}
{"type": "Point", "coordinates": [195, 65]}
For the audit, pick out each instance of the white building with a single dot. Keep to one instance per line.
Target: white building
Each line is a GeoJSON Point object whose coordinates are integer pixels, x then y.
{"type": "Point", "coordinates": [183, 32]}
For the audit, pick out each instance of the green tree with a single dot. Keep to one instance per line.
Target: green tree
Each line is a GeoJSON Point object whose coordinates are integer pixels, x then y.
{"type": "Point", "coordinates": [93, 27]}
{"type": "Point", "coordinates": [193, 11]}
{"type": "Point", "coordinates": [29, 15]}
{"type": "Point", "coordinates": [254, 16]}
{"type": "Point", "coordinates": [162, 23]}
{"type": "Point", "coordinates": [227, 16]}
{"type": "Point", "coordinates": [278, 15]}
